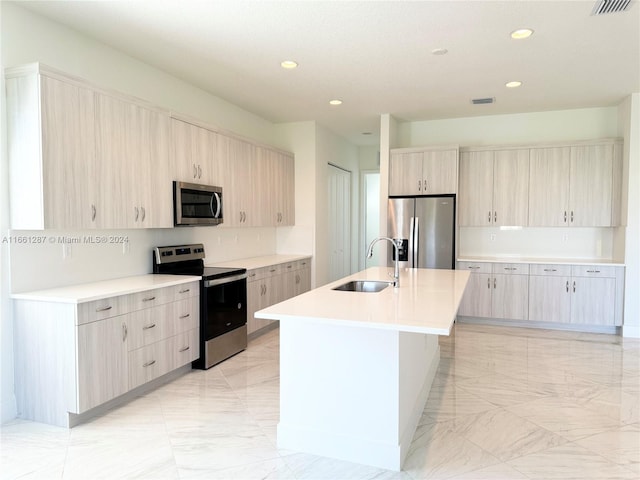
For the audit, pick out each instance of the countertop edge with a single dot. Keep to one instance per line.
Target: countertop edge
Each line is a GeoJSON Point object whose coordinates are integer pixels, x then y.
{"type": "Point", "coordinates": [542, 261]}
{"type": "Point", "coordinates": [251, 263]}
{"type": "Point", "coordinates": [65, 294]}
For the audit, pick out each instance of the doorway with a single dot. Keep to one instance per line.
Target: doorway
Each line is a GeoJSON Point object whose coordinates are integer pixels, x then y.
{"type": "Point", "coordinates": [339, 207]}
{"type": "Point", "coordinates": [370, 216]}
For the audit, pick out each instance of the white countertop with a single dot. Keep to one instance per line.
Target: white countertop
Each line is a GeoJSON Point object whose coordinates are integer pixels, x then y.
{"type": "Point", "coordinates": [426, 302]}
{"type": "Point", "coordinates": [89, 292]}
{"type": "Point", "coordinates": [540, 260]}
{"type": "Point", "coordinates": [259, 262]}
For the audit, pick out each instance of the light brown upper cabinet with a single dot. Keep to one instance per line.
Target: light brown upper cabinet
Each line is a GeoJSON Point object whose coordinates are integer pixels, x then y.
{"type": "Point", "coordinates": [576, 186]}
{"type": "Point", "coordinates": [194, 154]}
{"type": "Point", "coordinates": [494, 187]}
{"type": "Point", "coordinates": [423, 171]}
{"type": "Point", "coordinates": [52, 152]}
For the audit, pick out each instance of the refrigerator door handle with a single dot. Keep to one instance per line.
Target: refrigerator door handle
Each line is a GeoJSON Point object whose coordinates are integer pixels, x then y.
{"type": "Point", "coordinates": [415, 234]}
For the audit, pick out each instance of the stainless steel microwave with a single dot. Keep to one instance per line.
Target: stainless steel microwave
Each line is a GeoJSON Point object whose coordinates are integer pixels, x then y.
{"type": "Point", "coordinates": [195, 204]}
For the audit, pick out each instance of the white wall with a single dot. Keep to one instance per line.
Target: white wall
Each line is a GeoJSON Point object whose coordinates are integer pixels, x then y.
{"type": "Point", "coordinates": [630, 130]}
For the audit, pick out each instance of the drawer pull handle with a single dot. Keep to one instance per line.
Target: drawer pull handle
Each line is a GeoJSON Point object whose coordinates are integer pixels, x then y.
{"type": "Point", "coordinates": [252, 274]}
{"type": "Point", "coordinates": [304, 263]}
{"type": "Point", "coordinates": [593, 271]}
{"type": "Point", "coordinates": [148, 364]}
{"type": "Point", "coordinates": [272, 270]}
{"type": "Point", "coordinates": [149, 327]}
{"type": "Point", "coordinates": [148, 299]}
{"type": "Point", "coordinates": [229, 324]}
{"type": "Point", "coordinates": [186, 315]}
{"type": "Point", "coordinates": [289, 266]}
{"type": "Point", "coordinates": [475, 267]}
{"type": "Point", "coordinates": [186, 290]}
{"type": "Point", "coordinates": [184, 349]}
{"type": "Point", "coordinates": [510, 268]}
{"type": "Point", "coordinates": [104, 309]}
{"type": "Point", "coordinates": [550, 270]}
{"type": "Point", "coordinates": [567, 286]}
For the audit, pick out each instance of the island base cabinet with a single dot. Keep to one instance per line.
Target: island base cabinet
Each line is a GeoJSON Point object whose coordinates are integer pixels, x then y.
{"type": "Point", "coordinates": [336, 380]}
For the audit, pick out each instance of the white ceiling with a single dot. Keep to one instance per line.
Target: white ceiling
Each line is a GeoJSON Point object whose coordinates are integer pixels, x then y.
{"type": "Point", "coordinates": [375, 55]}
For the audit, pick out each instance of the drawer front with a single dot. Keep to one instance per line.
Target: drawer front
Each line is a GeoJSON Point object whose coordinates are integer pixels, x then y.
{"type": "Point", "coordinates": [306, 263]}
{"type": "Point", "coordinates": [550, 270]}
{"type": "Point", "coordinates": [100, 309]}
{"type": "Point", "coordinates": [183, 348]}
{"type": "Point", "coordinates": [257, 274]}
{"type": "Point", "coordinates": [148, 326]}
{"type": "Point", "coordinates": [187, 290]}
{"type": "Point", "coordinates": [288, 267]}
{"type": "Point", "coordinates": [593, 271]}
{"type": "Point", "coordinates": [151, 298]}
{"type": "Point", "coordinates": [184, 315]}
{"type": "Point", "coordinates": [511, 268]}
{"type": "Point", "coordinates": [147, 363]}
{"type": "Point", "coordinates": [475, 267]}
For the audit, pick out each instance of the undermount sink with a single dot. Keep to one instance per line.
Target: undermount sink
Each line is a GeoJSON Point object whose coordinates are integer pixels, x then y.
{"type": "Point", "coordinates": [369, 286]}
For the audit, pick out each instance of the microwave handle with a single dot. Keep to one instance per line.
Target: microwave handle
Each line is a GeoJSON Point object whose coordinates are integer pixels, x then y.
{"type": "Point", "coordinates": [218, 204]}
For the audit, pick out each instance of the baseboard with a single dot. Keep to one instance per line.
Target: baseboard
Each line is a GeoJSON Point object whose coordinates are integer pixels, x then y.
{"type": "Point", "coordinates": [631, 331]}
{"type": "Point", "coordinates": [541, 325]}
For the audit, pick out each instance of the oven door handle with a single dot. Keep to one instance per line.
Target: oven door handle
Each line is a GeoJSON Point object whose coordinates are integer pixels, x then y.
{"type": "Point", "coordinates": [220, 281]}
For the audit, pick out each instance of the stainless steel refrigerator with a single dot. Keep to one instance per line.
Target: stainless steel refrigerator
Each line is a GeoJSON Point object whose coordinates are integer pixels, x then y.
{"type": "Point", "coordinates": [426, 226]}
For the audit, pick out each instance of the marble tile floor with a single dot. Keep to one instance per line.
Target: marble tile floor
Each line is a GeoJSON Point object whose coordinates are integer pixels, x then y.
{"type": "Point", "coordinates": [506, 403]}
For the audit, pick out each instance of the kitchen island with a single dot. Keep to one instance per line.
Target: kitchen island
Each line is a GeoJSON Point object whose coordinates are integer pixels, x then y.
{"type": "Point", "coordinates": [356, 367]}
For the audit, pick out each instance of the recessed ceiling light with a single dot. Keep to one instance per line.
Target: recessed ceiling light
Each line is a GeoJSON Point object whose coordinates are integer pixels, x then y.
{"type": "Point", "coordinates": [288, 64]}
{"type": "Point", "coordinates": [335, 102]}
{"type": "Point", "coordinates": [439, 51]}
{"type": "Point", "coordinates": [513, 84]}
{"type": "Point", "coordinates": [521, 33]}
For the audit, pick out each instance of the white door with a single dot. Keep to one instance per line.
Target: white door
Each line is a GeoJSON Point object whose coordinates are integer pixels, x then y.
{"type": "Point", "coordinates": [339, 181]}
{"type": "Point", "coordinates": [370, 215]}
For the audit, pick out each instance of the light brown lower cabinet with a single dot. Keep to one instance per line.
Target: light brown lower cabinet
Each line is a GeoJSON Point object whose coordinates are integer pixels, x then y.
{"type": "Point", "coordinates": [587, 295]}
{"type": "Point", "coordinates": [71, 358]}
{"type": "Point", "coordinates": [272, 284]}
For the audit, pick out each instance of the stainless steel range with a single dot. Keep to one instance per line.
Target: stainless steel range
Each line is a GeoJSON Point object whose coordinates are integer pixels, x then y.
{"type": "Point", "coordinates": [223, 301]}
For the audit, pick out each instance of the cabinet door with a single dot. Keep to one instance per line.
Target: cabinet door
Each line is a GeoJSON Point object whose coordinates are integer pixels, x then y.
{"type": "Point", "coordinates": [405, 174]}
{"type": "Point", "coordinates": [302, 281]}
{"type": "Point", "coordinates": [280, 189]}
{"type": "Point", "coordinates": [115, 204]}
{"type": "Point", "coordinates": [593, 301]}
{"type": "Point", "coordinates": [440, 172]}
{"type": "Point", "coordinates": [239, 191]}
{"type": "Point", "coordinates": [549, 299]}
{"type": "Point", "coordinates": [150, 181]}
{"type": "Point", "coordinates": [549, 187]}
{"type": "Point", "coordinates": [476, 301]}
{"type": "Point", "coordinates": [193, 154]}
{"type": "Point", "coordinates": [591, 186]}
{"type": "Point", "coordinates": [68, 154]}
{"type": "Point", "coordinates": [510, 297]}
{"type": "Point", "coordinates": [511, 187]}
{"type": "Point", "coordinates": [102, 361]}
{"type": "Point", "coordinates": [475, 194]}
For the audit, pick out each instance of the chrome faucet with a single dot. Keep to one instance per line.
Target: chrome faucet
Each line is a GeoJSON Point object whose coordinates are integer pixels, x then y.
{"type": "Point", "coordinates": [396, 244]}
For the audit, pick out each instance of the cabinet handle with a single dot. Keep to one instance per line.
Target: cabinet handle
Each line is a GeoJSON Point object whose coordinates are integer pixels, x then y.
{"type": "Point", "coordinates": [510, 268]}
{"type": "Point", "coordinates": [289, 266]}
{"type": "Point", "coordinates": [104, 309]}
{"type": "Point", "coordinates": [144, 214]}
{"type": "Point", "coordinates": [574, 287]}
{"type": "Point", "coordinates": [571, 216]}
{"type": "Point", "coordinates": [565, 216]}
{"type": "Point", "coordinates": [419, 185]}
{"type": "Point", "coordinates": [195, 171]}
{"type": "Point", "coordinates": [199, 172]}
{"type": "Point", "coordinates": [272, 270]}
{"type": "Point", "coordinates": [489, 283]}
{"type": "Point", "coordinates": [494, 283]}
{"type": "Point", "coordinates": [186, 315]}
{"type": "Point", "coordinates": [124, 332]}
{"type": "Point", "coordinates": [550, 270]}
{"type": "Point", "coordinates": [567, 286]}
{"type": "Point", "coordinates": [495, 217]}
{"type": "Point", "coordinates": [593, 271]}
{"type": "Point", "coordinates": [474, 267]}
{"type": "Point", "coordinates": [93, 212]}
{"type": "Point", "coordinates": [148, 299]}
{"type": "Point", "coordinates": [185, 290]}
{"type": "Point", "coordinates": [424, 185]}
{"type": "Point", "coordinates": [135, 209]}
{"type": "Point", "coordinates": [148, 364]}
{"type": "Point", "coordinates": [184, 349]}
{"type": "Point", "coordinates": [297, 279]}
{"type": "Point", "coordinates": [252, 274]}
{"type": "Point", "coordinates": [304, 263]}
{"type": "Point", "coordinates": [149, 327]}
{"type": "Point", "coordinates": [489, 217]}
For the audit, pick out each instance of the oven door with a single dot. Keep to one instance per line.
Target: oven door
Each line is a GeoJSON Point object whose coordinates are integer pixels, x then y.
{"type": "Point", "coordinates": [197, 204]}
{"type": "Point", "coordinates": [224, 306]}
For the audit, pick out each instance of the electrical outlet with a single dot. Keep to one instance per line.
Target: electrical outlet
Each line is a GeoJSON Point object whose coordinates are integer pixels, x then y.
{"type": "Point", "coordinates": [565, 237]}
{"type": "Point", "coordinates": [492, 237]}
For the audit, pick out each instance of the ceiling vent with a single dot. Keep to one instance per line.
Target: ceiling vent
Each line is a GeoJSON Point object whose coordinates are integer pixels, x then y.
{"type": "Point", "coordinates": [482, 101]}
{"type": "Point", "coordinates": [610, 6]}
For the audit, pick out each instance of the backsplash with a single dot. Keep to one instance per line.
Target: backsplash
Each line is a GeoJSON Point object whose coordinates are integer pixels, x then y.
{"type": "Point", "coordinates": [583, 243]}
